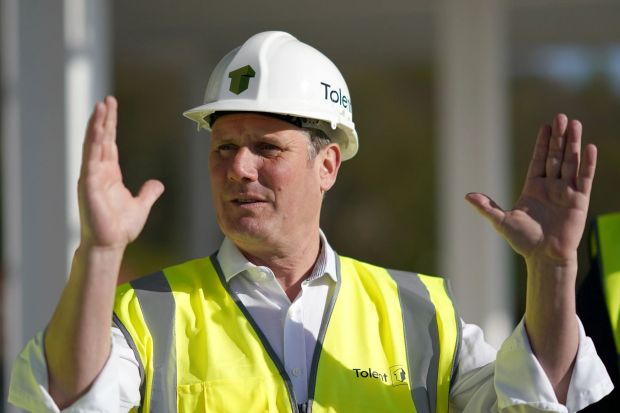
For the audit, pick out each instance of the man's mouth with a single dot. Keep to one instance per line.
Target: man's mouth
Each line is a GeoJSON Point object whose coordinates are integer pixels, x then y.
{"type": "Point", "coordinates": [245, 201]}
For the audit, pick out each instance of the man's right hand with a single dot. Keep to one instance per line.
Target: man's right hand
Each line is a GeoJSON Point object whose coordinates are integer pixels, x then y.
{"type": "Point", "coordinates": [77, 339]}
{"type": "Point", "coordinates": [111, 217]}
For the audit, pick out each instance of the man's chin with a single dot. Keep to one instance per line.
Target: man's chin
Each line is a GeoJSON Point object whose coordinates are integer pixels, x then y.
{"type": "Point", "coordinates": [247, 234]}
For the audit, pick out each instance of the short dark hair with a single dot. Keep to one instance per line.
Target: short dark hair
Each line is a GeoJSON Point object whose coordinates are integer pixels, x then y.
{"type": "Point", "coordinates": [317, 140]}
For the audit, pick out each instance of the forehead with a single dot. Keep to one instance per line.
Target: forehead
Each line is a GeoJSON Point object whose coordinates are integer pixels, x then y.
{"type": "Point", "coordinates": [251, 124]}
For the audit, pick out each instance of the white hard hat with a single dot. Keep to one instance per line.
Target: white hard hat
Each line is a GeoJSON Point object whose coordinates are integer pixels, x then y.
{"type": "Point", "coordinates": [273, 72]}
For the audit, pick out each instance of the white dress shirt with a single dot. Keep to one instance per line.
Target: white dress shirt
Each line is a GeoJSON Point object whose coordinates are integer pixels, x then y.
{"type": "Point", "coordinates": [487, 381]}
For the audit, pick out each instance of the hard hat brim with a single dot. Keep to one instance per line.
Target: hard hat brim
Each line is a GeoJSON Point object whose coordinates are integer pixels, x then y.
{"type": "Point", "coordinates": [341, 131]}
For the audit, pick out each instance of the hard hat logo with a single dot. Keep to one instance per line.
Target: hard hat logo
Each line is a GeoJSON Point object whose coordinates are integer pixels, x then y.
{"type": "Point", "coordinates": [240, 79]}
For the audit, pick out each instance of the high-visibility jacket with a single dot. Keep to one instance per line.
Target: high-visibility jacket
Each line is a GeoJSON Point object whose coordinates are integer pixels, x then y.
{"type": "Point", "coordinates": [388, 343]}
{"type": "Point", "coordinates": [598, 302]}
{"type": "Point", "coordinates": [606, 250]}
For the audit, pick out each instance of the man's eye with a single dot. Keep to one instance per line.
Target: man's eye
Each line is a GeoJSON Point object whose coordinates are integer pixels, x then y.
{"type": "Point", "coordinates": [227, 147]}
{"type": "Point", "coordinates": [268, 148]}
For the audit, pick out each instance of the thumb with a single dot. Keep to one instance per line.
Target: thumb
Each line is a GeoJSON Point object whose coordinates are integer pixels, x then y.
{"type": "Point", "coordinates": [149, 193]}
{"type": "Point", "coordinates": [487, 208]}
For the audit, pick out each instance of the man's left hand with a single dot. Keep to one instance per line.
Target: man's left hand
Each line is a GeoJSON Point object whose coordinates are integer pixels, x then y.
{"type": "Point", "coordinates": [550, 215]}
{"type": "Point", "coordinates": [545, 227]}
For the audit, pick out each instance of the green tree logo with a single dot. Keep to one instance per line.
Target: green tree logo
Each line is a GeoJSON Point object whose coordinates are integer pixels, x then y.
{"type": "Point", "coordinates": [240, 79]}
{"type": "Point", "coordinates": [399, 375]}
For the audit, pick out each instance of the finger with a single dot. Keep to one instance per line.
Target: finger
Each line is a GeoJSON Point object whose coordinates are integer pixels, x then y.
{"type": "Point", "coordinates": [539, 157]}
{"type": "Point", "coordinates": [111, 117]}
{"type": "Point", "coordinates": [556, 146]}
{"type": "Point", "coordinates": [487, 208]}
{"type": "Point", "coordinates": [572, 151]}
{"type": "Point", "coordinates": [91, 150]}
{"type": "Point", "coordinates": [149, 193]}
{"type": "Point", "coordinates": [109, 149]}
{"type": "Point", "coordinates": [587, 169]}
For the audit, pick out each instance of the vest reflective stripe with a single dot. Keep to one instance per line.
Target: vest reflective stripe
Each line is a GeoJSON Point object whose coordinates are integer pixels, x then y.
{"type": "Point", "coordinates": [416, 318]}
{"type": "Point", "coordinates": [157, 304]}
{"type": "Point", "coordinates": [386, 347]}
{"type": "Point", "coordinates": [449, 329]}
{"type": "Point", "coordinates": [606, 248]}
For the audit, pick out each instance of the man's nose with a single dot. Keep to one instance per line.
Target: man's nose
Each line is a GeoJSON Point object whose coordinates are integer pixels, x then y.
{"type": "Point", "coordinates": [243, 166]}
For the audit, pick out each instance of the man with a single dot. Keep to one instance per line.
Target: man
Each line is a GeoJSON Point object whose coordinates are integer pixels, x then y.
{"type": "Point", "coordinates": [275, 320]}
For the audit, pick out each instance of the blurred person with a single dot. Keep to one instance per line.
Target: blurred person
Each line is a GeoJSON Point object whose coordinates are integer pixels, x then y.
{"type": "Point", "coordinates": [598, 300]}
{"type": "Point", "coordinates": [276, 320]}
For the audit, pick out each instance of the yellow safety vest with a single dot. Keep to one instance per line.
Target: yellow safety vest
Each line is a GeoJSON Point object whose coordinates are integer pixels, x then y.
{"type": "Point", "coordinates": [388, 343]}
{"type": "Point", "coordinates": [605, 248]}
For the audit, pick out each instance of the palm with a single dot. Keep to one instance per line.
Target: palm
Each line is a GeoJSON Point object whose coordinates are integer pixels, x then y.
{"type": "Point", "coordinates": [110, 214]}
{"type": "Point", "coordinates": [549, 217]}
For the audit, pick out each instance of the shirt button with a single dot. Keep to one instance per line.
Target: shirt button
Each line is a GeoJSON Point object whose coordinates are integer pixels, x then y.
{"type": "Point", "coordinates": [296, 371]}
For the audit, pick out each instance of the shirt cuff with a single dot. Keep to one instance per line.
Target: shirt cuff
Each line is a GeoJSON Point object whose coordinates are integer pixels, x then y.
{"type": "Point", "coordinates": [515, 359]}
{"type": "Point", "coordinates": [29, 384]}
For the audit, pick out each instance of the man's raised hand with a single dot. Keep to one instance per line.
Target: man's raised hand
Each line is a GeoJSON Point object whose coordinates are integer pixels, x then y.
{"type": "Point", "coordinates": [545, 227]}
{"type": "Point", "coordinates": [550, 215]}
{"type": "Point", "coordinates": [110, 215]}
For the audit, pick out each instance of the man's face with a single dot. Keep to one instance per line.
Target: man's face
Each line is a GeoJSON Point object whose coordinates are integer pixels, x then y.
{"type": "Point", "coordinates": [266, 189]}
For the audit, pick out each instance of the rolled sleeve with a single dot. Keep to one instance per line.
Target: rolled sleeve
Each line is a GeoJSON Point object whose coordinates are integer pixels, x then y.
{"type": "Point", "coordinates": [516, 382]}
{"type": "Point", "coordinates": [521, 381]}
{"type": "Point", "coordinates": [115, 389]}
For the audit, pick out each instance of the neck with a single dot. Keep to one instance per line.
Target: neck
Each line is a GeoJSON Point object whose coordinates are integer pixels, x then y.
{"type": "Point", "coordinates": [290, 265]}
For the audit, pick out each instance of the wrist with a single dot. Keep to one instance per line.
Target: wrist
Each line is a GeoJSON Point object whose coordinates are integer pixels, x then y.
{"type": "Point", "coordinates": [550, 297]}
{"type": "Point", "coordinates": [552, 267]}
{"type": "Point", "coordinates": [551, 283]}
{"type": "Point", "coordinates": [88, 247]}
{"type": "Point", "coordinates": [97, 262]}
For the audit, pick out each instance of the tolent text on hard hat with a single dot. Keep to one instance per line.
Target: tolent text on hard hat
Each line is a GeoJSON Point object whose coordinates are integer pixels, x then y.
{"type": "Point", "coordinates": [336, 96]}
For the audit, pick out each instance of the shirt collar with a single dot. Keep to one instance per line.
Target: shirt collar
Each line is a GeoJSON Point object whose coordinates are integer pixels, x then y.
{"type": "Point", "coordinates": [233, 262]}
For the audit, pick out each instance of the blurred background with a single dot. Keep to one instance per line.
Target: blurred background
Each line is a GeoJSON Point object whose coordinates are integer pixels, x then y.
{"type": "Point", "coordinates": [447, 96]}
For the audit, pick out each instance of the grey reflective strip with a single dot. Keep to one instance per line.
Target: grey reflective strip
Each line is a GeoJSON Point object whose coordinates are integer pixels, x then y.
{"type": "Point", "coordinates": [459, 334]}
{"type": "Point", "coordinates": [119, 324]}
{"type": "Point", "coordinates": [272, 354]}
{"type": "Point", "coordinates": [319, 341]}
{"type": "Point", "coordinates": [158, 309]}
{"type": "Point", "coordinates": [421, 338]}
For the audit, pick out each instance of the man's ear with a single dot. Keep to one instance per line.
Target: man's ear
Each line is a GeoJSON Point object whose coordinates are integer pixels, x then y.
{"type": "Point", "coordinates": [329, 159]}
